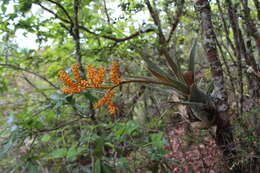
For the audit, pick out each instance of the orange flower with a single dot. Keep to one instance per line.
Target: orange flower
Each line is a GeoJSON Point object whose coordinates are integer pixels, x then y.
{"type": "Point", "coordinates": [90, 72]}
{"type": "Point", "coordinates": [71, 90]}
{"type": "Point", "coordinates": [63, 76]}
{"type": "Point", "coordinates": [84, 83]}
{"type": "Point", "coordinates": [111, 107]}
{"type": "Point", "coordinates": [105, 99]}
{"type": "Point", "coordinates": [95, 79]}
{"type": "Point", "coordinates": [99, 76]}
{"type": "Point", "coordinates": [76, 73]}
{"type": "Point", "coordinates": [114, 77]}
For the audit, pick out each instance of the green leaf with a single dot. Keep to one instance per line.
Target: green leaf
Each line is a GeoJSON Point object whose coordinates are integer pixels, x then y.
{"type": "Point", "coordinates": [179, 86]}
{"type": "Point", "coordinates": [175, 67]}
{"type": "Point", "coordinates": [163, 76]}
{"type": "Point", "coordinates": [6, 148]}
{"type": "Point", "coordinates": [4, 4]}
{"type": "Point", "coordinates": [192, 58]}
{"type": "Point", "coordinates": [198, 95]}
{"type": "Point", "coordinates": [119, 133]}
{"type": "Point", "coordinates": [98, 152]}
{"type": "Point", "coordinates": [72, 153]}
{"type": "Point", "coordinates": [46, 137]}
{"type": "Point", "coordinates": [32, 168]}
{"type": "Point", "coordinates": [3, 86]}
{"type": "Point", "coordinates": [106, 168]}
{"type": "Point", "coordinates": [60, 153]}
{"type": "Point", "coordinates": [109, 144]}
{"type": "Point", "coordinates": [157, 140]}
{"type": "Point", "coordinates": [154, 168]}
{"type": "Point", "coordinates": [149, 27]}
{"type": "Point", "coordinates": [97, 166]}
{"type": "Point", "coordinates": [131, 127]}
{"type": "Point", "coordinates": [25, 5]}
{"type": "Point", "coordinates": [160, 74]}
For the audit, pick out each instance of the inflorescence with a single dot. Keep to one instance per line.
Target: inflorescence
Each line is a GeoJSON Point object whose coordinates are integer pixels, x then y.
{"type": "Point", "coordinates": [95, 79]}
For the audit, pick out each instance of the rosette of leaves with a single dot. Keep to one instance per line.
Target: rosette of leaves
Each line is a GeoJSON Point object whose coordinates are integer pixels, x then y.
{"type": "Point", "coordinates": [199, 103]}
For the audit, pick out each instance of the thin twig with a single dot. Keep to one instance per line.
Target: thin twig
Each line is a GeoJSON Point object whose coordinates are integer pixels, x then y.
{"type": "Point", "coordinates": [53, 13]}
{"type": "Point", "coordinates": [106, 11]}
{"type": "Point", "coordinates": [177, 20]}
{"type": "Point", "coordinates": [35, 87]}
{"type": "Point", "coordinates": [163, 49]}
{"type": "Point", "coordinates": [28, 71]}
{"type": "Point", "coordinates": [62, 8]}
{"type": "Point", "coordinates": [58, 126]}
{"type": "Point", "coordinates": [136, 34]}
{"type": "Point", "coordinates": [115, 38]}
{"type": "Point", "coordinates": [156, 20]}
{"type": "Point", "coordinates": [188, 103]}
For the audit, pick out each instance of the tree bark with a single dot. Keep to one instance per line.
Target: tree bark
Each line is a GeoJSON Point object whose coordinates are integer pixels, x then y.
{"type": "Point", "coordinates": [224, 135]}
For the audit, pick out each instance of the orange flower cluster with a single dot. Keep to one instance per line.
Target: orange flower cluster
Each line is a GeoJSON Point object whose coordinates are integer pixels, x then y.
{"type": "Point", "coordinates": [76, 73]}
{"type": "Point", "coordinates": [95, 79]}
{"type": "Point", "coordinates": [96, 76]}
{"type": "Point", "coordinates": [73, 87]}
{"type": "Point", "coordinates": [114, 73]}
{"type": "Point", "coordinates": [107, 99]}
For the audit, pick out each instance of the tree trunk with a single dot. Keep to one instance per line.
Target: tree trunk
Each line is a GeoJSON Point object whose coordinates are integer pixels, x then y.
{"type": "Point", "coordinates": [224, 135]}
{"type": "Point", "coordinates": [242, 52]}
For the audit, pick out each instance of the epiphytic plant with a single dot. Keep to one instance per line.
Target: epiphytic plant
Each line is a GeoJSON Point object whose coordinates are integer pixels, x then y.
{"type": "Point", "coordinates": [199, 103]}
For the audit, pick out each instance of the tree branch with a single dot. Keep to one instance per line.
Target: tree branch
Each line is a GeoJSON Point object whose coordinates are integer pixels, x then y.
{"type": "Point", "coordinates": [163, 49]}
{"type": "Point", "coordinates": [28, 71]}
{"type": "Point", "coordinates": [35, 87]}
{"type": "Point", "coordinates": [92, 32]}
{"type": "Point", "coordinates": [58, 126]}
{"type": "Point", "coordinates": [177, 20]}
{"type": "Point", "coordinates": [76, 34]}
{"type": "Point", "coordinates": [156, 20]}
{"type": "Point", "coordinates": [62, 8]}
{"type": "Point", "coordinates": [106, 11]}
{"type": "Point", "coordinates": [53, 13]}
{"type": "Point", "coordinates": [114, 38]}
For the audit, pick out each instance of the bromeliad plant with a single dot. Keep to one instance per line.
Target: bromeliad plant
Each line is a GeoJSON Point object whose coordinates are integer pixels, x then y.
{"type": "Point", "coordinates": [200, 104]}
{"type": "Point", "coordinates": [96, 79]}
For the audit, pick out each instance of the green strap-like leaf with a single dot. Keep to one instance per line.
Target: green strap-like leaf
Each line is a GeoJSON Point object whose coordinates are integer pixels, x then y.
{"type": "Point", "coordinates": [151, 64]}
{"type": "Point", "coordinates": [179, 86]}
{"type": "Point", "coordinates": [154, 68]}
{"type": "Point", "coordinates": [174, 66]}
{"type": "Point", "coordinates": [97, 166]}
{"type": "Point", "coordinates": [163, 76]}
{"type": "Point", "coordinates": [192, 58]}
